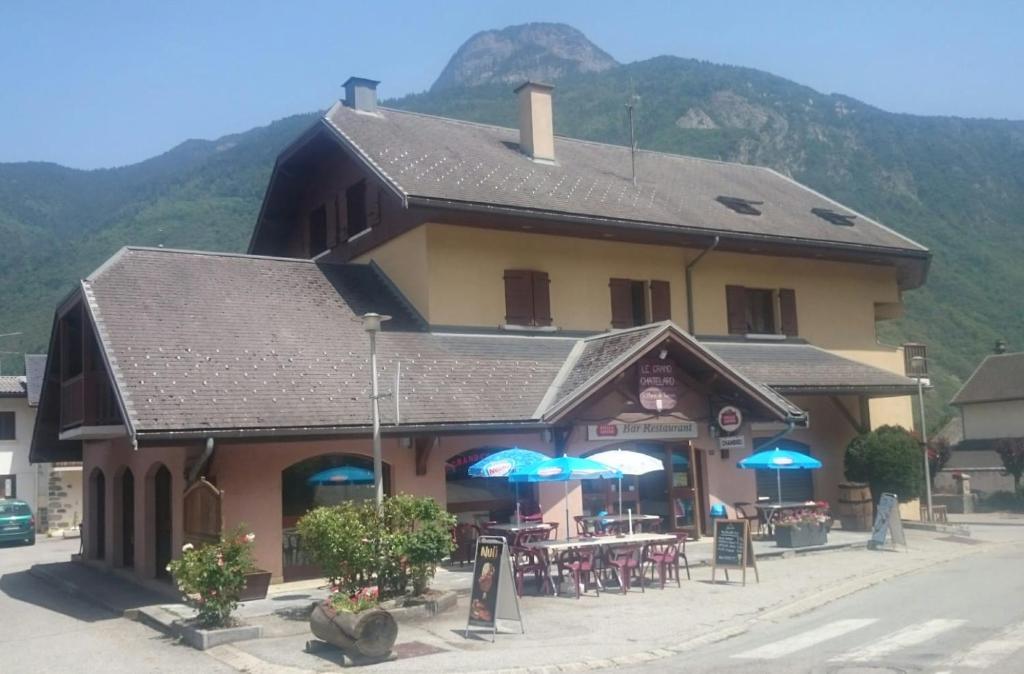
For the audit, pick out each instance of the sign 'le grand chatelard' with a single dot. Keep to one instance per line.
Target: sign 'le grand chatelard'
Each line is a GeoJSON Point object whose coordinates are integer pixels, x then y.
{"type": "Point", "coordinates": [659, 384]}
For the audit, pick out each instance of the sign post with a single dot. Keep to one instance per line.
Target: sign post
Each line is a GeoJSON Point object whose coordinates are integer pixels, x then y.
{"type": "Point", "coordinates": [733, 548]}
{"type": "Point", "coordinates": [887, 520]}
{"type": "Point", "coordinates": [493, 596]}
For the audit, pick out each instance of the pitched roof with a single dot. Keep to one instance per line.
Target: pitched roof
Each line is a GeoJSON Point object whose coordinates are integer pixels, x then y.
{"type": "Point", "coordinates": [445, 159]}
{"type": "Point", "coordinates": [35, 370]}
{"type": "Point", "coordinates": [793, 368]}
{"type": "Point", "coordinates": [999, 377]}
{"type": "Point", "coordinates": [12, 387]}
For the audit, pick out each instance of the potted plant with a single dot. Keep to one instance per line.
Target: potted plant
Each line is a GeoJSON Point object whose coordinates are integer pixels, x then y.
{"type": "Point", "coordinates": [355, 623]}
{"type": "Point", "coordinates": [212, 577]}
{"type": "Point", "coordinates": [801, 528]}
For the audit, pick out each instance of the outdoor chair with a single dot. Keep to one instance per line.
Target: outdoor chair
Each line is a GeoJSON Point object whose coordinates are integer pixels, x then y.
{"type": "Point", "coordinates": [625, 560]}
{"type": "Point", "coordinates": [665, 557]}
{"type": "Point", "coordinates": [464, 536]}
{"type": "Point", "coordinates": [583, 529]}
{"type": "Point", "coordinates": [580, 564]}
{"type": "Point", "coordinates": [526, 560]}
{"type": "Point", "coordinates": [553, 531]}
{"type": "Point", "coordinates": [746, 511]}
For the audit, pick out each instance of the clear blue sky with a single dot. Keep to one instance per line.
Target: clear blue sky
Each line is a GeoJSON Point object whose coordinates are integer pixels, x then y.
{"type": "Point", "coordinates": [101, 83]}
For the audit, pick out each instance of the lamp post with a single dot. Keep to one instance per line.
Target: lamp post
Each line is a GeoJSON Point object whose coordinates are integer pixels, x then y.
{"type": "Point", "coordinates": [924, 436]}
{"type": "Point", "coordinates": [371, 323]}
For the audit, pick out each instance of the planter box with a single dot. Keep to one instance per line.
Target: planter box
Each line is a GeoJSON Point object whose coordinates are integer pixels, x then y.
{"type": "Point", "coordinates": [800, 536]}
{"type": "Point", "coordinates": [256, 585]}
{"type": "Point", "coordinates": [367, 636]}
{"type": "Point", "coordinates": [202, 639]}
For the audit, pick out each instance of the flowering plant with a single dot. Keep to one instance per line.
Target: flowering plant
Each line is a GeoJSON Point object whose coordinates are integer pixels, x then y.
{"type": "Point", "coordinates": [363, 599]}
{"type": "Point", "coordinates": [213, 576]}
{"type": "Point", "coordinates": [802, 517]}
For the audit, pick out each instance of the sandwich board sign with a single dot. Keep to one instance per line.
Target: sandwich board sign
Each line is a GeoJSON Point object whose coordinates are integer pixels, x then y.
{"type": "Point", "coordinates": [887, 521]}
{"type": "Point", "coordinates": [493, 595]}
{"type": "Point", "coordinates": [733, 549]}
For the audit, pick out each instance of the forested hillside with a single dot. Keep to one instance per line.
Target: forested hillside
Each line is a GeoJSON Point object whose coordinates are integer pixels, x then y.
{"type": "Point", "coordinates": [955, 185]}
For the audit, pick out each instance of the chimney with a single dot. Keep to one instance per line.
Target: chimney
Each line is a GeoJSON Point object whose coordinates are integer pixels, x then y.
{"type": "Point", "coordinates": [361, 94]}
{"type": "Point", "coordinates": [536, 128]}
{"type": "Point", "coordinates": [1000, 347]}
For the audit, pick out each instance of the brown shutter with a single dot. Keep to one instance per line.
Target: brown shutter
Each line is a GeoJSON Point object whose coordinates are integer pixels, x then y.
{"type": "Point", "coordinates": [622, 302]}
{"type": "Point", "coordinates": [736, 309]}
{"type": "Point", "coordinates": [661, 302]}
{"type": "Point", "coordinates": [787, 310]}
{"type": "Point", "coordinates": [541, 298]}
{"type": "Point", "coordinates": [373, 198]}
{"type": "Point", "coordinates": [518, 297]}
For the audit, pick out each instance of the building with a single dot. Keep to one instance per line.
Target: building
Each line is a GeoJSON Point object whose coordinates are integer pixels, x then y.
{"type": "Point", "coordinates": [53, 491]}
{"type": "Point", "coordinates": [991, 406]}
{"type": "Point", "coordinates": [540, 297]}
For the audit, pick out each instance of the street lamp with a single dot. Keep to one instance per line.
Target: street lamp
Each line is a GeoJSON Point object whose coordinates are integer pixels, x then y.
{"type": "Point", "coordinates": [371, 323]}
{"type": "Point", "coordinates": [924, 433]}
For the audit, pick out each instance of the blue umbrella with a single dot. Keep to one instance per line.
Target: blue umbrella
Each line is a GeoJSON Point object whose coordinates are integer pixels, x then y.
{"type": "Point", "coordinates": [563, 469]}
{"type": "Point", "coordinates": [341, 475]}
{"type": "Point", "coordinates": [780, 460]}
{"type": "Point", "coordinates": [504, 463]}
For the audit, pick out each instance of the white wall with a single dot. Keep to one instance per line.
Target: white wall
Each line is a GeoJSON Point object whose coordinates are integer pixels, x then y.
{"type": "Point", "coordinates": [14, 453]}
{"type": "Point", "coordinates": [1004, 419]}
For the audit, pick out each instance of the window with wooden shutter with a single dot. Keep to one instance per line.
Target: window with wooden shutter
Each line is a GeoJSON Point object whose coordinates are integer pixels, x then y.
{"type": "Point", "coordinates": [787, 312]}
{"type": "Point", "coordinates": [622, 302]}
{"type": "Point", "coordinates": [318, 231]}
{"type": "Point", "coordinates": [355, 208]}
{"type": "Point", "coordinates": [541, 298]}
{"type": "Point", "coordinates": [661, 302]}
{"type": "Point", "coordinates": [736, 309]}
{"type": "Point", "coordinates": [518, 297]}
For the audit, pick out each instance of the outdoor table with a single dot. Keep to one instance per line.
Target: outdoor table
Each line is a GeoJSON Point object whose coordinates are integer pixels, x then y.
{"type": "Point", "coordinates": [554, 548]}
{"type": "Point", "coordinates": [769, 511]}
{"type": "Point", "coordinates": [604, 520]}
{"type": "Point", "coordinates": [513, 528]}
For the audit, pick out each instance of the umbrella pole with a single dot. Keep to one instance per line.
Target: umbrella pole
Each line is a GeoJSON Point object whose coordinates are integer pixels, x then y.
{"type": "Point", "coordinates": [568, 534]}
{"type": "Point", "coordinates": [778, 479]}
{"type": "Point", "coordinates": [620, 496]}
{"type": "Point", "coordinates": [519, 517]}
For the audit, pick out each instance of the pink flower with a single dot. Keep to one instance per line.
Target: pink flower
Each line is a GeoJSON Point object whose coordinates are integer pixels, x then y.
{"type": "Point", "coordinates": [250, 537]}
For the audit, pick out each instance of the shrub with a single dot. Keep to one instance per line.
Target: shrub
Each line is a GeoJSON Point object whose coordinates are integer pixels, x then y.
{"type": "Point", "coordinates": [213, 576]}
{"type": "Point", "coordinates": [1011, 452]}
{"type": "Point", "coordinates": [357, 546]}
{"type": "Point", "coordinates": [889, 459]}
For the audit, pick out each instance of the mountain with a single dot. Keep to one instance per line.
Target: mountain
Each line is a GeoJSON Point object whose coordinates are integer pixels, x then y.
{"type": "Point", "coordinates": [532, 51]}
{"type": "Point", "coordinates": [955, 185]}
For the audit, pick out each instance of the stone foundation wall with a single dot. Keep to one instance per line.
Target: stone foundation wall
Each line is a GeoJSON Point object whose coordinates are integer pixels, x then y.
{"type": "Point", "coordinates": [64, 500]}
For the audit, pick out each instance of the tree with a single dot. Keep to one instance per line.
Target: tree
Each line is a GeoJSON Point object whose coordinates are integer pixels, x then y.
{"type": "Point", "coordinates": [889, 460]}
{"type": "Point", "coordinates": [939, 451]}
{"type": "Point", "coordinates": [1011, 451]}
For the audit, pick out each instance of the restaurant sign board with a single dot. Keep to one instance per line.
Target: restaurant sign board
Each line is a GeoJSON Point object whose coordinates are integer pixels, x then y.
{"type": "Point", "coordinates": [729, 418]}
{"type": "Point", "coordinates": [668, 429]}
{"type": "Point", "coordinates": [492, 595]}
{"type": "Point", "coordinates": [733, 548]}
{"type": "Point", "coordinates": [732, 442]}
{"type": "Point", "coordinates": [658, 381]}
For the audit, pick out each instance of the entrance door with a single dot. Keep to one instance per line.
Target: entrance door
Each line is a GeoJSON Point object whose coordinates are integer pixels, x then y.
{"type": "Point", "coordinates": [162, 523]}
{"type": "Point", "coordinates": [98, 501]}
{"type": "Point", "coordinates": [128, 519]}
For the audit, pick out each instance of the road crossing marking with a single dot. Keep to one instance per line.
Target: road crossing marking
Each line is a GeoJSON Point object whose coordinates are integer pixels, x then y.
{"type": "Point", "coordinates": [989, 652]}
{"type": "Point", "coordinates": [905, 638]}
{"type": "Point", "coordinates": [805, 639]}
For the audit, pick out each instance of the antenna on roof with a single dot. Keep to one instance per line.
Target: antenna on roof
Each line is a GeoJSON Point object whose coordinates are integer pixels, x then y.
{"type": "Point", "coordinates": [633, 100]}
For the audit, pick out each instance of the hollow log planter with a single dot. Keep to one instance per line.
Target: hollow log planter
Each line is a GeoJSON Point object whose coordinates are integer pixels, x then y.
{"type": "Point", "coordinates": [368, 635]}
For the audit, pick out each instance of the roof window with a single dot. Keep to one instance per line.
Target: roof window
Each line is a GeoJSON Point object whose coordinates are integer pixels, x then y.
{"type": "Point", "coordinates": [844, 219]}
{"type": "Point", "coordinates": [742, 206]}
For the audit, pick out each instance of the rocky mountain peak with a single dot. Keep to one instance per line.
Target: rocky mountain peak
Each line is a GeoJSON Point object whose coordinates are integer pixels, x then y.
{"type": "Point", "coordinates": [534, 51]}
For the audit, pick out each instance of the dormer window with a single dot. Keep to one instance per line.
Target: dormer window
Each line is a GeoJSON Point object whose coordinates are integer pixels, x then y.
{"type": "Point", "coordinates": [355, 208]}
{"type": "Point", "coordinates": [741, 206]}
{"type": "Point", "coordinates": [836, 218]}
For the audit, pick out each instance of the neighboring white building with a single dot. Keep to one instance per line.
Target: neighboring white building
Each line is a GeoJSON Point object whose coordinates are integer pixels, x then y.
{"type": "Point", "coordinates": [53, 490]}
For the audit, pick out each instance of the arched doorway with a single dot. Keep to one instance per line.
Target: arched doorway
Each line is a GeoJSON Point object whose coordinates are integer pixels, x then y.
{"type": "Point", "coordinates": [671, 493]}
{"type": "Point", "coordinates": [299, 497]}
{"type": "Point", "coordinates": [162, 521]}
{"type": "Point", "coordinates": [98, 516]}
{"type": "Point", "coordinates": [126, 494]}
{"type": "Point", "coordinates": [481, 499]}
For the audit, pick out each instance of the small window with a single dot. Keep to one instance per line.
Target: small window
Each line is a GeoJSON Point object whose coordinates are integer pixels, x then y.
{"type": "Point", "coordinates": [741, 206]}
{"type": "Point", "coordinates": [527, 298]}
{"type": "Point", "coordinates": [318, 231]}
{"type": "Point", "coordinates": [629, 303]}
{"type": "Point", "coordinates": [843, 219]}
{"type": "Point", "coordinates": [9, 489]}
{"type": "Point", "coordinates": [7, 426]}
{"type": "Point", "coordinates": [761, 311]}
{"type": "Point", "coordinates": [355, 206]}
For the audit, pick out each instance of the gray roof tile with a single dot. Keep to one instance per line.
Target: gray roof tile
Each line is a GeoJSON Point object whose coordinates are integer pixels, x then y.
{"type": "Point", "coordinates": [35, 370]}
{"type": "Point", "coordinates": [999, 377]}
{"type": "Point", "coordinates": [12, 387]}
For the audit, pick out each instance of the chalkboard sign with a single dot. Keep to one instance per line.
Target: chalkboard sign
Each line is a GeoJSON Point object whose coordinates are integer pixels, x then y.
{"type": "Point", "coordinates": [492, 596]}
{"type": "Point", "coordinates": [887, 521]}
{"type": "Point", "coordinates": [733, 549]}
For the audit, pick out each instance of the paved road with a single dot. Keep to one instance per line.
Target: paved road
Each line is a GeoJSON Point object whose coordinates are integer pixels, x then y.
{"type": "Point", "coordinates": [45, 630]}
{"type": "Point", "coordinates": [965, 616]}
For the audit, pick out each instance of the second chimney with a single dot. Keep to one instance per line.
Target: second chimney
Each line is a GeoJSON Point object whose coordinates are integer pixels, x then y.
{"type": "Point", "coordinates": [361, 94]}
{"type": "Point", "coordinates": [536, 126]}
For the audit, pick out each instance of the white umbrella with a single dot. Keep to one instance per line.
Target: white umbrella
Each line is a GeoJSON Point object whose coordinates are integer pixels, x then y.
{"type": "Point", "coordinates": [628, 463]}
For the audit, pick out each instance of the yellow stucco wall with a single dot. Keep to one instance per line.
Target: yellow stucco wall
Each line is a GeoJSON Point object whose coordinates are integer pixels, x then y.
{"type": "Point", "coordinates": [404, 260]}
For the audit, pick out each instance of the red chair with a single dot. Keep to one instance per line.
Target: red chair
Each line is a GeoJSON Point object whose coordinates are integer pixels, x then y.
{"type": "Point", "coordinates": [527, 560]}
{"type": "Point", "coordinates": [625, 560]}
{"type": "Point", "coordinates": [581, 565]}
{"type": "Point", "coordinates": [747, 511]}
{"type": "Point", "coordinates": [552, 531]}
{"type": "Point", "coordinates": [583, 529]}
{"type": "Point", "coordinates": [666, 556]}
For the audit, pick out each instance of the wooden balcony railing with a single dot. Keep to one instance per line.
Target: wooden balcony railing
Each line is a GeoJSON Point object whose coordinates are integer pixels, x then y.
{"type": "Point", "coordinates": [88, 400]}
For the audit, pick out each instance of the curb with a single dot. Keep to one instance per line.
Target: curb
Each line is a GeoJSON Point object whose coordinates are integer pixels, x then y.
{"type": "Point", "coordinates": [949, 529]}
{"type": "Point", "coordinates": [74, 590]}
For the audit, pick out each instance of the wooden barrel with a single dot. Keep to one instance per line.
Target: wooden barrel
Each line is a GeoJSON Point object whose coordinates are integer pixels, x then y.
{"type": "Point", "coordinates": [370, 634]}
{"type": "Point", "coordinates": [855, 509]}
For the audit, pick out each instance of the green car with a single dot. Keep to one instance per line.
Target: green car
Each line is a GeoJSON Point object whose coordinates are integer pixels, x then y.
{"type": "Point", "coordinates": [17, 522]}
